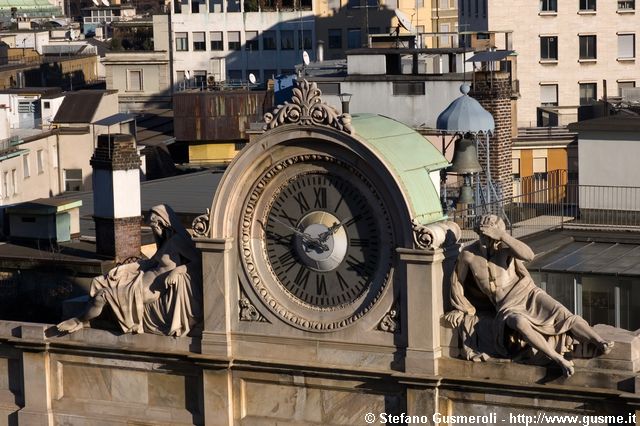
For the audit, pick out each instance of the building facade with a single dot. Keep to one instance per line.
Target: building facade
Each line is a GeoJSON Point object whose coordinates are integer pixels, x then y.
{"type": "Point", "coordinates": [566, 51]}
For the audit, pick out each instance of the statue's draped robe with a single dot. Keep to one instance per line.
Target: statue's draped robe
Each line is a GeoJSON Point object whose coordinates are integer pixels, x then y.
{"type": "Point", "coordinates": [484, 331]}
{"type": "Point", "coordinates": [178, 307]}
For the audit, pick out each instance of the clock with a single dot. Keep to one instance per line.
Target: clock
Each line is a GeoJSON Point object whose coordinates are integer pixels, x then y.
{"type": "Point", "coordinates": [317, 242]}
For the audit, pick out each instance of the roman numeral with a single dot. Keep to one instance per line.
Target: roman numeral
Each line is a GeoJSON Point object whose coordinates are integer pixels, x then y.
{"type": "Point", "coordinates": [291, 220]}
{"type": "Point", "coordinates": [359, 242]}
{"type": "Point", "coordinates": [302, 277]}
{"type": "Point", "coordinates": [287, 260]}
{"type": "Point", "coordinates": [321, 198]}
{"type": "Point", "coordinates": [302, 202]}
{"type": "Point", "coordinates": [357, 266]}
{"type": "Point", "coordinates": [343, 284]}
{"type": "Point", "coordinates": [352, 220]}
{"type": "Point", "coordinates": [321, 285]}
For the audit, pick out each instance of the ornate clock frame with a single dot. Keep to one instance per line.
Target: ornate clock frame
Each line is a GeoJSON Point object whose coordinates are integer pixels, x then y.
{"type": "Point", "coordinates": [248, 313]}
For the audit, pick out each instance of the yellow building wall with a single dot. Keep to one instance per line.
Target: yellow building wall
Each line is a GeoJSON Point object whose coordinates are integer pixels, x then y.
{"type": "Point", "coordinates": [526, 162]}
{"type": "Point", "coordinates": [557, 159]}
{"type": "Point", "coordinates": [212, 153]}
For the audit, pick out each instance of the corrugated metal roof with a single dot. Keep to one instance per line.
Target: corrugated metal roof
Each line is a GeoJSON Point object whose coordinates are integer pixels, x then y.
{"type": "Point", "coordinates": [589, 257]}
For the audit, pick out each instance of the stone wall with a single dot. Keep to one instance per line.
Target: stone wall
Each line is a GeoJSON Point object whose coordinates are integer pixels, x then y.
{"type": "Point", "coordinates": [94, 377]}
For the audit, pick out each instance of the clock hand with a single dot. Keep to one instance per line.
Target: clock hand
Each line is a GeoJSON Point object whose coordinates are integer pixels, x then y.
{"type": "Point", "coordinates": [333, 229]}
{"type": "Point", "coordinates": [305, 237]}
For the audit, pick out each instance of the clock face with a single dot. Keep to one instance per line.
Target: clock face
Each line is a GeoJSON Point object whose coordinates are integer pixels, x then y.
{"type": "Point", "coordinates": [317, 242]}
{"type": "Point", "coordinates": [322, 239]}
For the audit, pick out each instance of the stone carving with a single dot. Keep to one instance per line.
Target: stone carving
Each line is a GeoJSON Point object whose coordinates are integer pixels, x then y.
{"type": "Point", "coordinates": [200, 225]}
{"type": "Point", "coordinates": [498, 310]}
{"type": "Point", "coordinates": [248, 312]}
{"type": "Point", "coordinates": [161, 295]}
{"type": "Point", "coordinates": [435, 235]}
{"type": "Point", "coordinates": [307, 108]}
{"type": "Point", "coordinates": [391, 321]}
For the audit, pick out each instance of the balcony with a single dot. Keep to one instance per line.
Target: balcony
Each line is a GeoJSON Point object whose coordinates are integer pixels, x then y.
{"type": "Point", "coordinates": [550, 204]}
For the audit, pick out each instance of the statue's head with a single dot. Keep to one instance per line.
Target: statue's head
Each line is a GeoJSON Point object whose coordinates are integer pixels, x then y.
{"type": "Point", "coordinates": [489, 220]}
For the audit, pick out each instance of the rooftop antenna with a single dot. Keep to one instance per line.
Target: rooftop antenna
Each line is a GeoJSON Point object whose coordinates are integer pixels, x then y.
{"type": "Point", "coordinates": [403, 21]}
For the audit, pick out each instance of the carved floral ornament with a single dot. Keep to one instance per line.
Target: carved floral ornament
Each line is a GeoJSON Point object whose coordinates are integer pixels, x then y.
{"type": "Point", "coordinates": [307, 108]}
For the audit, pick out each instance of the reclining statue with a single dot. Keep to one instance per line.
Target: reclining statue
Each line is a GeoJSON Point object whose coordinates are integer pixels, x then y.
{"type": "Point", "coordinates": [160, 295]}
{"type": "Point", "coordinates": [490, 274]}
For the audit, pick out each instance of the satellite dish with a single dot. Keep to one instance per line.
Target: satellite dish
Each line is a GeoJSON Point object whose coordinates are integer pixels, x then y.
{"type": "Point", "coordinates": [105, 2]}
{"type": "Point", "coordinates": [53, 16]}
{"type": "Point", "coordinates": [186, 75]}
{"type": "Point", "coordinates": [404, 21]}
{"type": "Point", "coordinates": [24, 15]}
{"type": "Point", "coordinates": [96, 2]}
{"type": "Point", "coordinates": [252, 78]}
{"type": "Point", "coordinates": [305, 57]}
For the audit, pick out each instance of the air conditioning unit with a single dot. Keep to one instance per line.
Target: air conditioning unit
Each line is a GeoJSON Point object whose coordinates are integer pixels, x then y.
{"type": "Point", "coordinates": [211, 80]}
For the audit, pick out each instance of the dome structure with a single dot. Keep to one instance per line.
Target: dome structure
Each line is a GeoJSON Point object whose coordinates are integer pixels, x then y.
{"type": "Point", "coordinates": [464, 115]}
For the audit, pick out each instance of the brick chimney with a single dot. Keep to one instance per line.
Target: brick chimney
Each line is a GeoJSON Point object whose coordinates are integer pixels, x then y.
{"type": "Point", "coordinates": [493, 92]}
{"type": "Point", "coordinates": [116, 196]}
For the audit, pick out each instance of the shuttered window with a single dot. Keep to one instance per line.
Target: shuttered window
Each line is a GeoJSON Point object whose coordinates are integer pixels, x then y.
{"type": "Point", "coordinates": [626, 46]}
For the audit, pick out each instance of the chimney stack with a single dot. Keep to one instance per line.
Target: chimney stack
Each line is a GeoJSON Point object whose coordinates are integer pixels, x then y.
{"type": "Point", "coordinates": [116, 196]}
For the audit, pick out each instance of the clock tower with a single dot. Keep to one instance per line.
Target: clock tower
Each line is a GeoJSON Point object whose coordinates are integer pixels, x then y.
{"type": "Point", "coordinates": [312, 254]}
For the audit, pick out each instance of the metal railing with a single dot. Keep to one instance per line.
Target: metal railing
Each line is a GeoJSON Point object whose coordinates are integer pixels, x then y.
{"type": "Point", "coordinates": [565, 205]}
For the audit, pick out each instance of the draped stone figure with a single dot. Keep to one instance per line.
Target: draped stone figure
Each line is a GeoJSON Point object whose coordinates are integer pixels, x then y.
{"type": "Point", "coordinates": [160, 295]}
{"type": "Point", "coordinates": [500, 312]}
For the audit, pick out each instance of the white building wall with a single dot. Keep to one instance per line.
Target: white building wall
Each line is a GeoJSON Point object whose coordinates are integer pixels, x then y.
{"type": "Point", "coordinates": [239, 60]}
{"type": "Point", "coordinates": [416, 111]}
{"type": "Point", "coordinates": [38, 183]}
{"type": "Point", "coordinates": [568, 71]}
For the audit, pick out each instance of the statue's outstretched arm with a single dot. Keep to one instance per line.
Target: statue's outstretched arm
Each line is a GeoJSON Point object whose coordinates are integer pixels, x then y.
{"type": "Point", "coordinates": [519, 250]}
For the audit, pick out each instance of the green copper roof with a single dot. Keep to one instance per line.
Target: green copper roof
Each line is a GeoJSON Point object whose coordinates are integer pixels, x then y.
{"type": "Point", "coordinates": [410, 157]}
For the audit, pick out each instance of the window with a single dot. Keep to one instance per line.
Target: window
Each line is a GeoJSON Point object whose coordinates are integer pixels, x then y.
{"type": "Point", "coordinates": [587, 5]}
{"type": "Point", "coordinates": [134, 80]}
{"type": "Point", "coordinates": [626, 46]}
{"type": "Point", "coordinates": [515, 168]}
{"type": "Point", "coordinates": [443, 4]}
{"type": "Point", "coordinates": [25, 166]}
{"type": "Point", "coordinates": [14, 181]}
{"type": "Point", "coordinates": [199, 43]}
{"type": "Point", "coordinates": [200, 77]}
{"type": "Point", "coordinates": [408, 89]}
{"type": "Point", "coordinates": [269, 74]}
{"type": "Point", "coordinates": [625, 5]}
{"type": "Point", "coordinates": [234, 74]}
{"type": "Point", "coordinates": [215, 6]}
{"type": "Point", "coordinates": [195, 6]}
{"type": "Point", "coordinates": [304, 39]}
{"type": "Point", "coordinates": [354, 38]}
{"type": "Point", "coordinates": [46, 104]}
{"type": "Point", "coordinates": [286, 40]}
{"type": "Point", "coordinates": [329, 88]}
{"type": "Point", "coordinates": [548, 5]}
{"type": "Point", "coordinates": [548, 48]}
{"type": "Point", "coordinates": [588, 47]}
{"type": "Point", "coordinates": [269, 40]}
{"type": "Point", "coordinates": [540, 168]}
{"type": "Point", "coordinates": [73, 179]}
{"type": "Point", "coordinates": [233, 6]}
{"type": "Point", "coordinates": [233, 40]}
{"type": "Point", "coordinates": [182, 42]}
{"type": "Point", "coordinates": [588, 93]}
{"type": "Point", "coordinates": [251, 41]}
{"type": "Point", "coordinates": [335, 39]}
{"type": "Point", "coordinates": [624, 85]}
{"type": "Point", "coordinates": [216, 40]}
{"type": "Point", "coordinates": [40, 161]}
{"type": "Point", "coordinates": [5, 184]}
{"type": "Point", "coordinates": [549, 94]}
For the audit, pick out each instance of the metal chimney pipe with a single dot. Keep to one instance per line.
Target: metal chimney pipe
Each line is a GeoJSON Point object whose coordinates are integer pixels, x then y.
{"type": "Point", "coordinates": [320, 51]}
